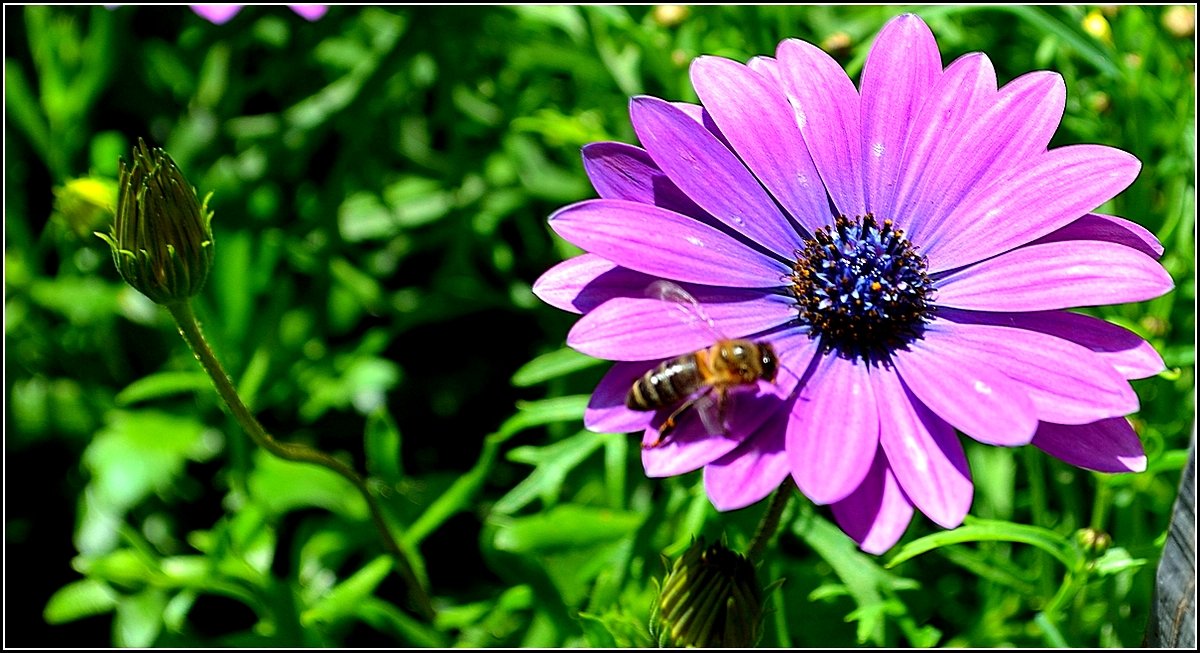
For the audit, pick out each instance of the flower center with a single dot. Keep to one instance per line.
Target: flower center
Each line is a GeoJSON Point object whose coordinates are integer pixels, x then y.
{"type": "Point", "coordinates": [862, 288]}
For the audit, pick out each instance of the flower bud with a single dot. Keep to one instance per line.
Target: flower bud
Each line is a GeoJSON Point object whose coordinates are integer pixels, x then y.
{"type": "Point", "coordinates": [1092, 541]}
{"type": "Point", "coordinates": [710, 598]}
{"type": "Point", "coordinates": [161, 237]}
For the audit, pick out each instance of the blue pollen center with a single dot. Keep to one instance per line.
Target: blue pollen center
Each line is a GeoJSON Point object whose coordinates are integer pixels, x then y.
{"type": "Point", "coordinates": [862, 288]}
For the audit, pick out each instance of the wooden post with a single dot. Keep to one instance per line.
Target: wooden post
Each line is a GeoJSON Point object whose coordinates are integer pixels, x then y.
{"type": "Point", "coordinates": [1173, 611]}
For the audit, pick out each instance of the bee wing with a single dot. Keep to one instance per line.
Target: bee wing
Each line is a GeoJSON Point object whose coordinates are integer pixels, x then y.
{"type": "Point", "coordinates": [684, 306]}
{"type": "Point", "coordinates": [709, 411]}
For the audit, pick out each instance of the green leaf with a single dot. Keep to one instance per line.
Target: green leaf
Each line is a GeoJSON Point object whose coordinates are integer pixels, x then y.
{"type": "Point", "coordinates": [280, 486]}
{"type": "Point", "coordinates": [139, 619]}
{"type": "Point", "coordinates": [552, 365]}
{"type": "Point", "coordinates": [343, 600]}
{"type": "Point", "coordinates": [553, 463]}
{"type": "Point", "coordinates": [461, 494]}
{"type": "Point", "coordinates": [83, 598]}
{"type": "Point", "coordinates": [1039, 18]}
{"type": "Point", "coordinates": [123, 567]}
{"type": "Point", "coordinates": [85, 301]}
{"type": "Point", "coordinates": [134, 455]}
{"type": "Point", "coordinates": [24, 111]}
{"type": "Point", "coordinates": [567, 526]}
{"type": "Point", "coordinates": [383, 447]}
{"type": "Point", "coordinates": [385, 617]}
{"type": "Point", "coordinates": [163, 384]}
{"type": "Point", "coordinates": [871, 586]}
{"type": "Point", "coordinates": [1116, 560]}
{"type": "Point", "coordinates": [980, 530]}
{"type": "Point", "coordinates": [416, 201]}
{"type": "Point", "coordinates": [542, 412]}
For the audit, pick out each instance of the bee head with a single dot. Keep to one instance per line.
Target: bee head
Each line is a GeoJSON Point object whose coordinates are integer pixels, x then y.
{"type": "Point", "coordinates": [770, 364]}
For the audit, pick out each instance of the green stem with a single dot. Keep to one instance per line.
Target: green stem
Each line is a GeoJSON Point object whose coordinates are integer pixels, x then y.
{"type": "Point", "coordinates": [185, 319]}
{"type": "Point", "coordinates": [770, 520]}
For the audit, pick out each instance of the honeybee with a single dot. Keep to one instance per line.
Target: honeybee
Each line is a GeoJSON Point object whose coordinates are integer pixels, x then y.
{"type": "Point", "coordinates": [691, 380]}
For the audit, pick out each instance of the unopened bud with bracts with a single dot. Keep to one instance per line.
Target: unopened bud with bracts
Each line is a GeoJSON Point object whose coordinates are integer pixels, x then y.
{"type": "Point", "coordinates": [710, 598]}
{"type": "Point", "coordinates": [161, 236]}
{"type": "Point", "coordinates": [1093, 542]}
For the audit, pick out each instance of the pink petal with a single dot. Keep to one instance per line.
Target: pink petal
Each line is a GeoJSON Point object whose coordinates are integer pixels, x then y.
{"type": "Point", "coordinates": [625, 172]}
{"type": "Point", "coordinates": [1110, 228]}
{"type": "Point", "coordinates": [749, 473]}
{"type": "Point", "coordinates": [768, 67]}
{"type": "Point", "coordinates": [1121, 348]}
{"type": "Point", "coordinates": [992, 146]}
{"type": "Point", "coordinates": [833, 431]}
{"type": "Point", "coordinates": [606, 411]}
{"type": "Point", "coordinates": [690, 446]}
{"type": "Point", "coordinates": [584, 282]}
{"type": "Point", "coordinates": [964, 90]}
{"type": "Point", "coordinates": [710, 174]}
{"type": "Point", "coordinates": [755, 116]}
{"type": "Point", "coordinates": [901, 69]}
{"type": "Point", "coordinates": [923, 452]}
{"type": "Point", "coordinates": [1109, 445]}
{"type": "Point", "coordinates": [644, 328]}
{"type": "Point", "coordinates": [703, 118]}
{"type": "Point", "coordinates": [1056, 275]}
{"type": "Point", "coordinates": [1032, 201]}
{"type": "Point", "coordinates": [683, 249]}
{"type": "Point", "coordinates": [310, 12]}
{"type": "Point", "coordinates": [1033, 137]}
{"type": "Point", "coordinates": [954, 380]}
{"type": "Point", "coordinates": [877, 513]}
{"type": "Point", "coordinates": [826, 107]}
{"type": "Point", "coordinates": [216, 14]}
{"type": "Point", "coordinates": [1068, 383]}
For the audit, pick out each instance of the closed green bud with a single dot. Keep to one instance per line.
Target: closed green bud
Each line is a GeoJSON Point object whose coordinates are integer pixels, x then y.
{"type": "Point", "coordinates": [711, 598]}
{"type": "Point", "coordinates": [161, 237]}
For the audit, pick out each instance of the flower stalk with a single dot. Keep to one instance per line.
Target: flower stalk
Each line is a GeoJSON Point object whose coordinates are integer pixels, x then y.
{"type": "Point", "coordinates": [189, 328]}
{"type": "Point", "coordinates": [769, 524]}
{"type": "Point", "coordinates": [162, 246]}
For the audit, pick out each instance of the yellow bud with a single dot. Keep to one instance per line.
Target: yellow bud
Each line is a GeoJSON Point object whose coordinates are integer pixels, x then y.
{"type": "Point", "coordinates": [671, 15]}
{"type": "Point", "coordinates": [85, 204]}
{"type": "Point", "coordinates": [1092, 541]}
{"type": "Point", "coordinates": [1097, 25]}
{"type": "Point", "coordinates": [837, 43]}
{"type": "Point", "coordinates": [1180, 21]}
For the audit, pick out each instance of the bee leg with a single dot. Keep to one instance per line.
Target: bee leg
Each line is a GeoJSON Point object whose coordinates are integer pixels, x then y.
{"type": "Point", "coordinates": [721, 403]}
{"type": "Point", "coordinates": [668, 424]}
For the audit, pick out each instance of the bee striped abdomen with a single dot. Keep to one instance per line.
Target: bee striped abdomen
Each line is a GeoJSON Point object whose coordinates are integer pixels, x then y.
{"type": "Point", "coordinates": [670, 382]}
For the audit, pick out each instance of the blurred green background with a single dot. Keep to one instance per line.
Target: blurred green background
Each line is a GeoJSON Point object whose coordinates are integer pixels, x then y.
{"type": "Point", "coordinates": [381, 180]}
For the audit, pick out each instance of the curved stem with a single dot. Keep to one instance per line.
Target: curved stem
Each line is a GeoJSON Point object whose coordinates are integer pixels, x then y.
{"type": "Point", "coordinates": [770, 520]}
{"type": "Point", "coordinates": [185, 319]}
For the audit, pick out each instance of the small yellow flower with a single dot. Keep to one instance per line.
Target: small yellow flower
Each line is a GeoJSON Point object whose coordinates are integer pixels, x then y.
{"type": "Point", "coordinates": [1097, 26]}
{"type": "Point", "coordinates": [1180, 21]}
{"type": "Point", "coordinates": [85, 203]}
{"type": "Point", "coordinates": [671, 15]}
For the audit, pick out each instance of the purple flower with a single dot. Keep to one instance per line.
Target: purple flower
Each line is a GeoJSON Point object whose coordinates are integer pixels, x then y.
{"type": "Point", "coordinates": [909, 249]}
{"type": "Point", "coordinates": [221, 14]}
